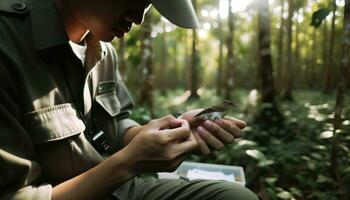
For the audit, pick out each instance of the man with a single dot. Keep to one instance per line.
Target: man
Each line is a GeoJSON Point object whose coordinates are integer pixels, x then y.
{"type": "Point", "coordinates": [62, 101]}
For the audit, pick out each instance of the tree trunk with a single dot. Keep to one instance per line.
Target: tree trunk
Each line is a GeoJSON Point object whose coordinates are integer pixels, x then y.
{"type": "Point", "coordinates": [146, 97]}
{"type": "Point", "coordinates": [265, 65]}
{"type": "Point", "coordinates": [230, 67]}
{"type": "Point", "coordinates": [280, 44]}
{"type": "Point", "coordinates": [297, 66]}
{"type": "Point", "coordinates": [220, 59]}
{"type": "Point", "coordinates": [313, 62]}
{"type": "Point", "coordinates": [176, 67]}
{"type": "Point", "coordinates": [194, 62]}
{"type": "Point", "coordinates": [288, 75]}
{"type": "Point", "coordinates": [187, 73]}
{"type": "Point", "coordinates": [163, 63]}
{"type": "Point", "coordinates": [340, 99]}
{"type": "Point", "coordinates": [325, 49]}
{"type": "Point", "coordinates": [310, 62]}
{"type": "Point", "coordinates": [331, 63]}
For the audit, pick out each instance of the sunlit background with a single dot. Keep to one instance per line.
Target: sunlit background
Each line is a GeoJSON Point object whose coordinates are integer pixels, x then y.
{"type": "Point", "coordinates": [283, 63]}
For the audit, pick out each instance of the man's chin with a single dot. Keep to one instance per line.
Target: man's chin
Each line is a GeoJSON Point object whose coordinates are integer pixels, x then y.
{"type": "Point", "coordinates": [104, 37]}
{"type": "Point", "coordinates": [119, 34]}
{"type": "Point", "coordinates": [110, 39]}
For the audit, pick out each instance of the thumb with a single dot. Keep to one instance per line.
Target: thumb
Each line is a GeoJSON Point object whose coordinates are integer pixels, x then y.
{"type": "Point", "coordinates": [162, 123]}
{"type": "Point", "coordinates": [175, 123]}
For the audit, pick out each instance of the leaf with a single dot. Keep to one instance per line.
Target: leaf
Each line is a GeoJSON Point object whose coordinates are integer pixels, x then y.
{"type": "Point", "coordinates": [326, 134]}
{"type": "Point", "coordinates": [271, 180]}
{"type": "Point", "coordinates": [222, 157]}
{"type": "Point", "coordinates": [319, 16]}
{"type": "Point", "coordinates": [347, 170]}
{"type": "Point", "coordinates": [319, 147]}
{"type": "Point", "coordinates": [296, 191]}
{"type": "Point", "coordinates": [243, 142]}
{"type": "Point", "coordinates": [311, 165]}
{"type": "Point", "coordinates": [346, 123]}
{"type": "Point", "coordinates": [306, 158]}
{"type": "Point", "coordinates": [271, 193]}
{"type": "Point", "coordinates": [323, 179]}
{"type": "Point", "coordinates": [285, 195]}
{"type": "Point", "coordinates": [344, 148]}
{"type": "Point", "coordinates": [316, 156]}
{"type": "Point", "coordinates": [264, 163]}
{"type": "Point", "coordinates": [318, 195]}
{"type": "Point", "coordinates": [256, 154]}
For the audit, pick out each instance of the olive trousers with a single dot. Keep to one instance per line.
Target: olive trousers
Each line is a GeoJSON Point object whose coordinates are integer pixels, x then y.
{"type": "Point", "coordinates": [178, 189]}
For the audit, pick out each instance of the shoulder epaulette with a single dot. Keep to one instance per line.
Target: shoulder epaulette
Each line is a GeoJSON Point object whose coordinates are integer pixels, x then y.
{"type": "Point", "coordinates": [14, 6]}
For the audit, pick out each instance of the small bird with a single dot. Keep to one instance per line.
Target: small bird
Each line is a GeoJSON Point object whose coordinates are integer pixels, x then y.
{"type": "Point", "coordinates": [217, 111]}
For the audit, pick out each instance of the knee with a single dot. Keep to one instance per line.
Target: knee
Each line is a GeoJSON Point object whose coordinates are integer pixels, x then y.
{"type": "Point", "coordinates": [234, 191]}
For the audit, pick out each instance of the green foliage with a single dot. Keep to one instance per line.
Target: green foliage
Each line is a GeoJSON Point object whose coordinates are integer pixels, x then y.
{"type": "Point", "coordinates": [291, 158]}
{"type": "Point", "coordinates": [141, 115]}
{"type": "Point", "coordinates": [319, 16]}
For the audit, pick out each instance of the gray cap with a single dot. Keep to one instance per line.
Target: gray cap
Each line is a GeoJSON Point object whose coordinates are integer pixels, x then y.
{"type": "Point", "coordinates": [179, 12]}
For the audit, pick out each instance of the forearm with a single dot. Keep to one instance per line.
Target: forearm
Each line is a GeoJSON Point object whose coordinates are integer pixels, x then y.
{"type": "Point", "coordinates": [97, 182]}
{"type": "Point", "coordinates": [131, 133]}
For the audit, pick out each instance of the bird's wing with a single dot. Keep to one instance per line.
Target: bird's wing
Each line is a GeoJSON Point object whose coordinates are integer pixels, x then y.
{"type": "Point", "coordinates": [207, 110]}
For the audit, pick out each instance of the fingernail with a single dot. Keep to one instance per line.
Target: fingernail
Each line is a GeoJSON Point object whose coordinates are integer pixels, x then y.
{"type": "Point", "coordinates": [208, 123]}
{"type": "Point", "coordinates": [244, 124]}
{"type": "Point", "coordinates": [220, 122]}
{"type": "Point", "coordinates": [200, 130]}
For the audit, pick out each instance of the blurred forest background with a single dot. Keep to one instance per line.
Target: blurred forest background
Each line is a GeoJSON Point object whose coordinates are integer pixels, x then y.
{"type": "Point", "coordinates": [285, 63]}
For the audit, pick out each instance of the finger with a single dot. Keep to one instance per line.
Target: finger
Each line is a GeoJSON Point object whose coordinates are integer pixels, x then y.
{"type": "Point", "coordinates": [212, 141]}
{"type": "Point", "coordinates": [203, 147]}
{"type": "Point", "coordinates": [187, 146]}
{"type": "Point", "coordinates": [241, 124]}
{"type": "Point", "coordinates": [163, 122]}
{"type": "Point", "coordinates": [177, 134]}
{"type": "Point", "coordinates": [175, 123]}
{"type": "Point", "coordinates": [229, 127]}
{"type": "Point", "coordinates": [219, 132]}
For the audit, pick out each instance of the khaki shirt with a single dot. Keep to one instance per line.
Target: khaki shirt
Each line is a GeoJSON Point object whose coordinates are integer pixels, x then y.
{"type": "Point", "coordinates": [42, 141]}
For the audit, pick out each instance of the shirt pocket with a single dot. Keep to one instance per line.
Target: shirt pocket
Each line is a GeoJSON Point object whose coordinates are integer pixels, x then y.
{"type": "Point", "coordinates": [53, 123]}
{"type": "Point", "coordinates": [109, 102]}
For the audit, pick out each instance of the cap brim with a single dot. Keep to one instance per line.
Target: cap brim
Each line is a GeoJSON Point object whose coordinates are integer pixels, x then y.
{"type": "Point", "coordinates": [179, 12]}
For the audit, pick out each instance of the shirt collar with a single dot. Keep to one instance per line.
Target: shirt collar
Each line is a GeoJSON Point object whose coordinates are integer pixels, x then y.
{"type": "Point", "coordinates": [95, 52]}
{"type": "Point", "coordinates": [48, 29]}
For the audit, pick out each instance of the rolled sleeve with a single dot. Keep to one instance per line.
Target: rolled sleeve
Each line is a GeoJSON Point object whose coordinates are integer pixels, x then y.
{"type": "Point", "coordinates": [122, 103]}
{"type": "Point", "coordinates": [42, 192]}
{"type": "Point", "coordinates": [123, 126]}
{"type": "Point", "coordinates": [123, 120]}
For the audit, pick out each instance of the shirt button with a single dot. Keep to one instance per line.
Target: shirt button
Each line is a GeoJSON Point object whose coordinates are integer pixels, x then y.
{"type": "Point", "coordinates": [20, 7]}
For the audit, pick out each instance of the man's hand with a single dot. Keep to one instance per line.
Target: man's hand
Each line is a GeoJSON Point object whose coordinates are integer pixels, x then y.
{"type": "Point", "coordinates": [214, 135]}
{"type": "Point", "coordinates": [161, 145]}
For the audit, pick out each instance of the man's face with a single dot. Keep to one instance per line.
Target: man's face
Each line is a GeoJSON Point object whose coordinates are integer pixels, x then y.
{"type": "Point", "coordinates": [107, 19]}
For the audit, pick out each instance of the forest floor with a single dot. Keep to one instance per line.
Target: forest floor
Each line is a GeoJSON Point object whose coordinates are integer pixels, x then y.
{"type": "Point", "coordinates": [286, 160]}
